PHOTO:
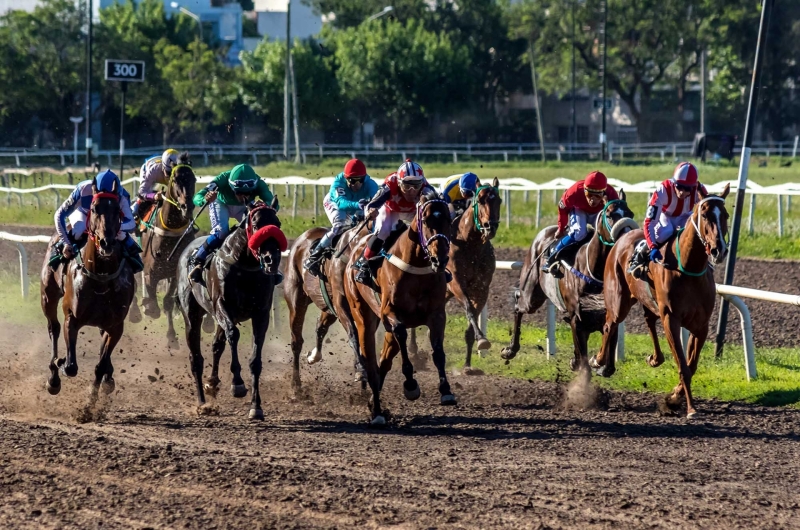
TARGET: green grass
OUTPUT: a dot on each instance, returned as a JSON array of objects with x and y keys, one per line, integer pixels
[{"x": 764, "y": 243}]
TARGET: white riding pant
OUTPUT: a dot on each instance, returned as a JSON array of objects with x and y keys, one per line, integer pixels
[
  {"x": 667, "y": 226},
  {"x": 220, "y": 215},
  {"x": 337, "y": 217},
  {"x": 77, "y": 226},
  {"x": 387, "y": 220},
  {"x": 577, "y": 225}
]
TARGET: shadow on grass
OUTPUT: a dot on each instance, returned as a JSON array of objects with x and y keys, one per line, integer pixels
[{"x": 777, "y": 398}]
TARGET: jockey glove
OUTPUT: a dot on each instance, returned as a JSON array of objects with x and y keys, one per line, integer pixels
[{"x": 655, "y": 255}]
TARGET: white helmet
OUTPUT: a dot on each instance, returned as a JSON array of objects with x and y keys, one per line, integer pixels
[
  {"x": 410, "y": 172},
  {"x": 169, "y": 160}
]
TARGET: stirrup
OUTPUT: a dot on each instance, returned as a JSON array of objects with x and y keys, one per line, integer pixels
[
  {"x": 313, "y": 265},
  {"x": 196, "y": 273}
]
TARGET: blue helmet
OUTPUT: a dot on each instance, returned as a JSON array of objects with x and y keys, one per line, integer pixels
[
  {"x": 468, "y": 182},
  {"x": 107, "y": 181}
]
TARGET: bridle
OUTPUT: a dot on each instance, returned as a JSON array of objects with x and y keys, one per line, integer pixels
[
  {"x": 171, "y": 200},
  {"x": 475, "y": 210},
  {"x": 96, "y": 197},
  {"x": 699, "y": 221},
  {"x": 424, "y": 243},
  {"x": 605, "y": 222}
]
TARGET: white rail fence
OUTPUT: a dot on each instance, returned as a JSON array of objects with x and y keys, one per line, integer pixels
[
  {"x": 295, "y": 187},
  {"x": 731, "y": 293}
]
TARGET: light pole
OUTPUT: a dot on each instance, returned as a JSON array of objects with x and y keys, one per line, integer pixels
[
  {"x": 89, "y": 85},
  {"x": 603, "y": 138},
  {"x": 176, "y": 5},
  {"x": 76, "y": 120},
  {"x": 385, "y": 11}
]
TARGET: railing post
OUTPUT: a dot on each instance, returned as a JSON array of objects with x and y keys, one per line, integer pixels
[
  {"x": 294, "y": 201},
  {"x": 551, "y": 330},
  {"x": 794, "y": 149},
  {"x": 508, "y": 208},
  {"x": 747, "y": 335},
  {"x": 255, "y": 159},
  {"x": 320, "y": 152},
  {"x": 619, "y": 353},
  {"x": 23, "y": 269},
  {"x": 780, "y": 215},
  {"x": 505, "y": 156},
  {"x": 316, "y": 202},
  {"x": 538, "y": 207},
  {"x": 455, "y": 157},
  {"x": 752, "y": 214},
  {"x": 674, "y": 151}
]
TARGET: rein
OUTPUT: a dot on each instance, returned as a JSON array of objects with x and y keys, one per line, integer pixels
[
  {"x": 476, "y": 204},
  {"x": 605, "y": 222},
  {"x": 172, "y": 201},
  {"x": 422, "y": 241}
]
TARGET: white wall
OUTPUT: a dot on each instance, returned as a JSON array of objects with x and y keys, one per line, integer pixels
[{"x": 272, "y": 19}]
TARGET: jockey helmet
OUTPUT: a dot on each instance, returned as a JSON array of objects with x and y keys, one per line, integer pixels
[
  {"x": 410, "y": 172},
  {"x": 468, "y": 182},
  {"x": 685, "y": 175},
  {"x": 355, "y": 168},
  {"x": 243, "y": 179},
  {"x": 169, "y": 160},
  {"x": 107, "y": 182},
  {"x": 595, "y": 182}
]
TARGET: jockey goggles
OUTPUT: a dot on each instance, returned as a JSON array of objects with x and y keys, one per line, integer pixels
[
  {"x": 356, "y": 180},
  {"x": 684, "y": 187},
  {"x": 590, "y": 191},
  {"x": 412, "y": 184},
  {"x": 244, "y": 186}
]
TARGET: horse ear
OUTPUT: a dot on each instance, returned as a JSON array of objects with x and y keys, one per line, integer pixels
[
  {"x": 495, "y": 182},
  {"x": 94, "y": 186},
  {"x": 622, "y": 195},
  {"x": 274, "y": 204},
  {"x": 726, "y": 191}
]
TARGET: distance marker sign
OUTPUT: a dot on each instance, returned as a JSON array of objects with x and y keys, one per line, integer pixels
[{"x": 126, "y": 71}]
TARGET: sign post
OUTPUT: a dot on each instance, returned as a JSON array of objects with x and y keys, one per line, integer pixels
[{"x": 125, "y": 72}]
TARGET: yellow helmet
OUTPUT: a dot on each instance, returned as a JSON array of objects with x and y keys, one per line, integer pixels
[{"x": 169, "y": 160}]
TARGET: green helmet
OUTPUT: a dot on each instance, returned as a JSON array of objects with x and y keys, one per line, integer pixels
[{"x": 243, "y": 179}]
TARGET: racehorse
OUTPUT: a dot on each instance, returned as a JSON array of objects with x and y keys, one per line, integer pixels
[
  {"x": 412, "y": 286},
  {"x": 578, "y": 291},
  {"x": 300, "y": 289},
  {"x": 680, "y": 291},
  {"x": 472, "y": 264},
  {"x": 167, "y": 221},
  {"x": 97, "y": 288},
  {"x": 239, "y": 287}
]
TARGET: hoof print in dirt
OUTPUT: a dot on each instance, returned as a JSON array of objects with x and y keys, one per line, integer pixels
[
  {"x": 468, "y": 370},
  {"x": 207, "y": 409}
]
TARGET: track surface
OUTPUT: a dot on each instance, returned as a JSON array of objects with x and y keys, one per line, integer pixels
[{"x": 511, "y": 454}]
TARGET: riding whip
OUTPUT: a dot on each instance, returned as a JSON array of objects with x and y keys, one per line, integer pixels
[
  {"x": 358, "y": 229},
  {"x": 188, "y": 228}
]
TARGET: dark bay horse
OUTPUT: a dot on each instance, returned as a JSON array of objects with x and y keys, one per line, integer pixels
[
  {"x": 472, "y": 264},
  {"x": 301, "y": 289},
  {"x": 412, "y": 292},
  {"x": 97, "y": 288},
  {"x": 579, "y": 293},
  {"x": 680, "y": 291},
  {"x": 240, "y": 285},
  {"x": 168, "y": 220}
]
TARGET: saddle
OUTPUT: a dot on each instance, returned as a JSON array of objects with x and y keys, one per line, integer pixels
[
  {"x": 145, "y": 220},
  {"x": 57, "y": 254}
]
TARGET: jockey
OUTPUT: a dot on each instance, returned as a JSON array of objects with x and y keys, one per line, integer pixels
[
  {"x": 154, "y": 171},
  {"x": 457, "y": 189},
  {"x": 584, "y": 198},
  {"x": 395, "y": 201},
  {"x": 77, "y": 207},
  {"x": 227, "y": 196},
  {"x": 669, "y": 208},
  {"x": 350, "y": 192}
]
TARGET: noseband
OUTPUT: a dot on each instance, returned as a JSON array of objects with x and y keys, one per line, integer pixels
[
  {"x": 475, "y": 205},
  {"x": 424, "y": 243},
  {"x": 605, "y": 222},
  {"x": 699, "y": 221}
]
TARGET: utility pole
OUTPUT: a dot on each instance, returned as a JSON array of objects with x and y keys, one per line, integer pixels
[
  {"x": 286, "y": 81},
  {"x": 536, "y": 101},
  {"x": 295, "y": 113},
  {"x": 603, "y": 137},
  {"x": 703, "y": 76},
  {"x": 89, "y": 86},
  {"x": 574, "y": 135},
  {"x": 744, "y": 164}
]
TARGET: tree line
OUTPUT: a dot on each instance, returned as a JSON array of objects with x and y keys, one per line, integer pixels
[{"x": 432, "y": 69}]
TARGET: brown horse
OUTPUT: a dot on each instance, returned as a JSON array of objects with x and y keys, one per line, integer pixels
[
  {"x": 97, "y": 289},
  {"x": 472, "y": 264},
  {"x": 412, "y": 288},
  {"x": 300, "y": 289},
  {"x": 168, "y": 221},
  {"x": 579, "y": 292},
  {"x": 240, "y": 285},
  {"x": 680, "y": 291}
]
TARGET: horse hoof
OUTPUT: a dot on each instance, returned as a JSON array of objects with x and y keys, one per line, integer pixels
[
  {"x": 378, "y": 421},
  {"x": 507, "y": 353},
  {"x": 211, "y": 390},
  {"x": 484, "y": 344},
  {"x": 314, "y": 356},
  {"x": 208, "y": 324},
  {"x": 53, "y": 389},
  {"x": 70, "y": 370},
  {"x": 605, "y": 371},
  {"x": 413, "y": 394},
  {"x": 448, "y": 400},
  {"x": 134, "y": 315},
  {"x": 256, "y": 414},
  {"x": 238, "y": 391},
  {"x": 592, "y": 362},
  {"x": 360, "y": 376},
  {"x": 655, "y": 363},
  {"x": 108, "y": 385},
  {"x": 691, "y": 414},
  {"x": 152, "y": 311}
]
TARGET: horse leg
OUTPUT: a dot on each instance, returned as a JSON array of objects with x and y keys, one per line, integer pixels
[
  {"x": 217, "y": 349},
  {"x": 604, "y": 364},
  {"x": 238, "y": 390},
  {"x": 696, "y": 342},
  {"x": 169, "y": 307},
  {"x": 579, "y": 360},
  {"x": 657, "y": 358},
  {"x": 192, "y": 319},
  {"x": 150, "y": 301},
  {"x": 297, "y": 316},
  {"x": 390, "y": 349},
  {"x": 50, "y": 297},
  {"x": 134, "y": 314},
  {"x": 71, "y": 328},
  {"x": 436, "y": 325},
  {"x": 672, "y": 330},
  {"x": 260, "y": 325},
  {"x": 510, "y": 351},
  {"x": 410, "y": 386},
  {"x": 358, "y": 365},
  {"x": 469, "y": 340},
  {"x": 324, "y": 322},
  {"x": 104, "y": 371},
  {"x": 366, "y": 338}
]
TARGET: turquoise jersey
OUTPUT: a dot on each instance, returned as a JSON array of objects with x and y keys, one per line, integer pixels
[{"x": 346, "y": 199}]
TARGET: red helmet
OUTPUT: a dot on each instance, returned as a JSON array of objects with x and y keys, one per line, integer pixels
[
  {"x": 685, "y": 174},
  {"x": 410, "y": 171},
  {"x": 354, "y": 168},
  {"x": 595, "y": 182}
]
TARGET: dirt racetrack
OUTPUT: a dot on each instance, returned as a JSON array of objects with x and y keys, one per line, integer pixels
[{"x": 511, "y": 454}]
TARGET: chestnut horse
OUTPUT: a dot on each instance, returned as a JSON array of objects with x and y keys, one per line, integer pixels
[
  {"x": 412, "y": 286},
  {"x": 168, "y": 221},
  {"x": 472, "y": 264},
  {"x": 579, "y": 291},
  {"x": 680, "y": 291},
  {"x": 97, "y": 288},
  {"x": 301, "y": 289},
  {"x": 240, "y": 285}
]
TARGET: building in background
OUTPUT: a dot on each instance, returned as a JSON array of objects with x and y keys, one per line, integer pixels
[{"x": 272, "y": 19}]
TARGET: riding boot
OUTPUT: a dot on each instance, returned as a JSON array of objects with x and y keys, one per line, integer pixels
[
  {"x": 56, "y": 256},
  {"x": 364, "y": 274},
  {"x": 132, "y": 253},
  {"x": 637, "y": 266},
  {"x": 313, "y": 262},
  {"x": 565, "y": 242}
]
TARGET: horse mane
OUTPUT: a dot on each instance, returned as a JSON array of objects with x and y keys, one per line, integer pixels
[{"x": 184, "y": 158}]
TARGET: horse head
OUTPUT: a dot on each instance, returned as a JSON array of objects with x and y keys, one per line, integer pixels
[
  {"x": 710, "y": 220},
  {"x": 486, "y": 210},
  {"x": 181, "y": 186},
  {"x": 265, "y": 239},
  {"x": 616, "y": 219},
  {"x": 433, "y": 229},
  {"x": 105, "y": 219}
]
